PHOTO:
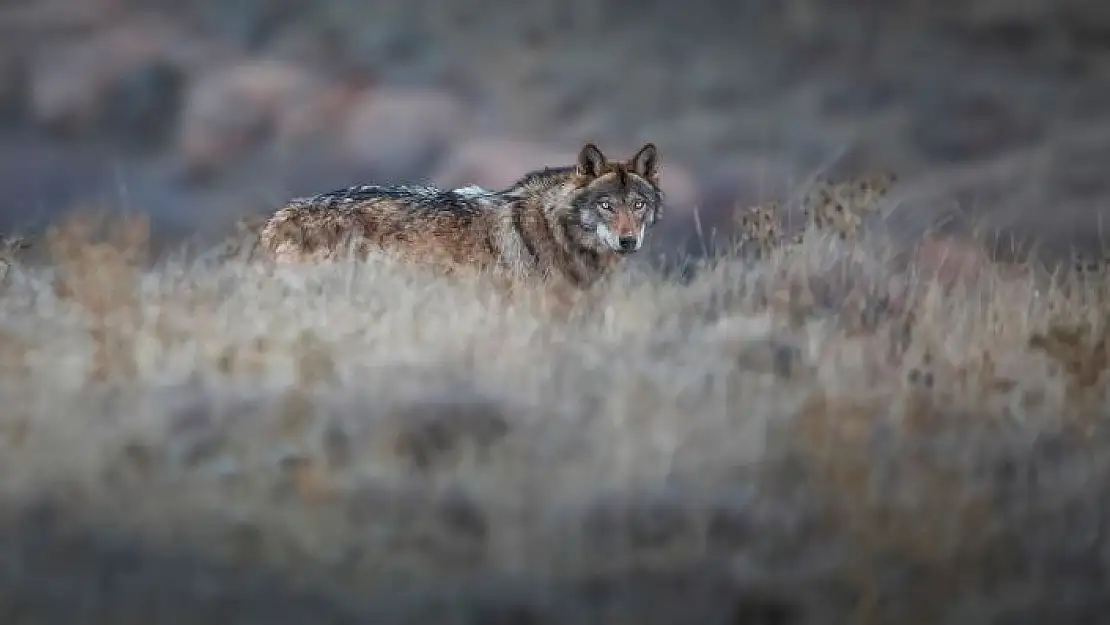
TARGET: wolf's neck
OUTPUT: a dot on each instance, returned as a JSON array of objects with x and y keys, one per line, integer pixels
[{"x": 551, "y": 197}]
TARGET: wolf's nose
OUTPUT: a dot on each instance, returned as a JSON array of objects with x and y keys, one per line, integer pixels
[{"x": 627, "y": 244}]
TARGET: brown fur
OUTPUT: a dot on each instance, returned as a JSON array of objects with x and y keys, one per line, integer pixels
[{"x": 551, "y": 223}]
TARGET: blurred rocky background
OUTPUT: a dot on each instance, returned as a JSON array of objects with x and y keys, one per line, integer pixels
[{"x": 201, "y": 113}]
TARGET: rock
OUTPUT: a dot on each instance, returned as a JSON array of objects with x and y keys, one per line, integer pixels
[
  {"x": 398, "y": 134},
  {"x": 230, "y": 110},
  {"x": 123, "y": 82}
]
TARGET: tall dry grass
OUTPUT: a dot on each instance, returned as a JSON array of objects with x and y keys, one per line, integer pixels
[{"x": 827, "y": 435}]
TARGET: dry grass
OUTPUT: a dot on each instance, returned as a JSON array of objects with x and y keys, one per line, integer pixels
[{"x": 819, "y": 436}]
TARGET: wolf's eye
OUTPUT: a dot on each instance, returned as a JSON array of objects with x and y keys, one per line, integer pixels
[
  {"x": 603, "y": 205},
  {"x": 638, "y": 204}
]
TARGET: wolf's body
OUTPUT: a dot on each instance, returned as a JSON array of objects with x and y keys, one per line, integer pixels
[{"x": 573, "y": 222}]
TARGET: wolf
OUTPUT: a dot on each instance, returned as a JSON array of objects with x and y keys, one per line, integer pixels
[{"x": 574, "y": 222}]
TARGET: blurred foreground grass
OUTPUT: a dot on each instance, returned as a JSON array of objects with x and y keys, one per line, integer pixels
[{"x": 825, "y": 436}]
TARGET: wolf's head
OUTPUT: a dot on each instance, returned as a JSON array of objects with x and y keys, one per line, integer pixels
[{"x": 615, "y": 202}]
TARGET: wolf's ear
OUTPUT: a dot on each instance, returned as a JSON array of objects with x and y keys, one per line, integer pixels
[
  {"x": 590, "y": 161},
  {"x": 646, "y": 162}
]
